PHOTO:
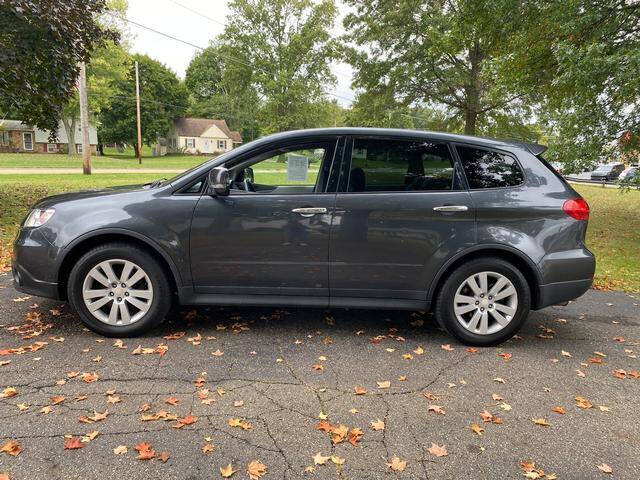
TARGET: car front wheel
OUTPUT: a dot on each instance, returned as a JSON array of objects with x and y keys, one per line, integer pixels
[
  {"x": 119, "y": 290},
  {"x": 484, "y": 302}
]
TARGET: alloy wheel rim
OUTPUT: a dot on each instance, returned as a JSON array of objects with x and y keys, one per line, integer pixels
[
  {"x": 485, "y": 303},
  {"x": 117, "y": 292}
]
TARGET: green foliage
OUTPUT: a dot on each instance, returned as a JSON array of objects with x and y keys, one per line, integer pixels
[
  {"x": 283, "y": 49},
  {"x": 162, "y": 99},
  {"x": 42, "y": 43}
]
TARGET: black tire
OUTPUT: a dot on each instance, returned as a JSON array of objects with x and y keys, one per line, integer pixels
[
  {"x": 444, "y": 307},
  {"x": 162, "y": 295}
]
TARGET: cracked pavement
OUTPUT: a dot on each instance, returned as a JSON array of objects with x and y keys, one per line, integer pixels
[{"x": 267, "y": 363}]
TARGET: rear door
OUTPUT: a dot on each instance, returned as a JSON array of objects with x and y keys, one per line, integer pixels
[{"x": 401, "y": 211}]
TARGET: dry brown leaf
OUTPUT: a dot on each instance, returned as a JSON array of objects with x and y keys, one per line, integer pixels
[
  {"x": 540, "y": 421},
  {"x": 477, "y": 429},
  {"x": 560, "y": 410},
  {"x": 120, "y": 450},
  {"x": 436, "y": 409},
  {"x": 320, "y": 459},
  {"x": 360, "y": 390},
  {"x": 396, "y": 464},
  {"x": 437, "y": 450},
  {"x": 12, "y": 448},
  {"x": 256, "y": 469},
  {"x": 604, "y": 468},
  {"x": 377, "y": 425}
]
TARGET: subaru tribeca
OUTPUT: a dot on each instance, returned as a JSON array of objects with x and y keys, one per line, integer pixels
[{"x": 480, "y": 231}]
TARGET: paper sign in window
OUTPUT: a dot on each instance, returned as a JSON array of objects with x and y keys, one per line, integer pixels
[{"x": 297, "y": 167}]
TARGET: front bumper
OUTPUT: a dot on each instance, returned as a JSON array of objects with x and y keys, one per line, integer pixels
[{"x": 34, "y": 264}]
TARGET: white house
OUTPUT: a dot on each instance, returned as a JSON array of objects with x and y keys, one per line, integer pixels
[
  {"x": 15, "y": 136},
  {"x": 201, "y": 135}
]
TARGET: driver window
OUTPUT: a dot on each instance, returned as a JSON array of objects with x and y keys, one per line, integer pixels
[{"x": 300, "y": 169}]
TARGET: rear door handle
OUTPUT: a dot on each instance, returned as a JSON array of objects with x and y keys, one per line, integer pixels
[
  {"x": 309, "y": 211},
  {"x": 451, "y": 208}
]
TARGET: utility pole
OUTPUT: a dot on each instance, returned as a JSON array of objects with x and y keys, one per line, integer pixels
[
  {"x": 138, "y": 115},
  {"x": 84, "y": 120}
]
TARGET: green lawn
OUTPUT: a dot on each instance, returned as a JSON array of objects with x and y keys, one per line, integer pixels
[{"x": 613, "y": 233}]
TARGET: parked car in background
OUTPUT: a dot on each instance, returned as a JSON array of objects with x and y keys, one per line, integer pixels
[
  {"x": 480, "y": 231},
  {"x": 558, "y": 167},
  {"x": 607, "y": 172},
  {"x": 629, "y": 174}
]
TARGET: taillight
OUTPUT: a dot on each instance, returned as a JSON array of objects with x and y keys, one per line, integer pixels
[{"x": 577, "y": 208}]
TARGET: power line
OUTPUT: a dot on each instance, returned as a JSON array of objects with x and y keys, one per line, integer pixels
[{"x": 227, "y": 57}]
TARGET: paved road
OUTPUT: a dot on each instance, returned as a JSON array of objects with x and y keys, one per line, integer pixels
[{"x": 263, "y": 373}]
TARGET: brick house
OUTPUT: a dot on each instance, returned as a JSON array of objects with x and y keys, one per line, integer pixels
[{"x": 17, "y": 137}]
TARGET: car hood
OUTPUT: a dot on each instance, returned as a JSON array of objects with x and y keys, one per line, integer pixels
[{"x": 85, "y": 194}]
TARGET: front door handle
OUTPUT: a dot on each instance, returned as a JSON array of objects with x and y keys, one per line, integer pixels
[
  {"x": 309, "y": 211},
  {"x": 451, "y": 208}
]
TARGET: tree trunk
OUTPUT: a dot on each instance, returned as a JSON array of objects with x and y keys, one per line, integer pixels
[
  {"x": 473, "y": 90},
  {"x": 70, "y": 128}
]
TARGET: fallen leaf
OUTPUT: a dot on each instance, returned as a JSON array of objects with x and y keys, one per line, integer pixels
[
  {"x": 560, "y": 410},
  {"x": 71, "y": 443},
  {"x": 46, "y": 410},
  {"x": 337, "y": 460},
  {"x": 540, "y": 421},
  {"x": 120, "y": 450},
  {"x": 163, "y": 457},
  {"x": 12, "y": 448},
  {"x": 239, "y": 422},
  {"x": 145, "y": 451},
  {"x": 582, "y": 402},
  {"x": 89, "y": 436},
  {"x": 207, "y": 448},
  {"x": 396, "y": 464},
  {"x": 172, "y": 401},
  {"x": 419, "y": 350},
  {"x": 604, "y": 468},
  {"x": 477, "y": 429},
  {"x": 360, "y": 390},
  {"x": 218, "y": 353},
  {"x": 320, "y": 459},
  {"x": 437, "y": 450},
  {"x": 256, "y": 469},
  {"x": 377, "y": 425},
  {"x": 384, "y": 384},
  {"x": 8, "y": 392},
  {"x": 566, "y": 354},
  {"x": 447, "y": 347},
  {"x": 436, "y": 409}
]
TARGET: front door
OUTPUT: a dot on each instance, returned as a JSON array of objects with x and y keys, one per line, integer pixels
[
  {"x": 270, "y": 236},
  {"x": 206, "y": 146},
  {"x": 401, "y": 211}
]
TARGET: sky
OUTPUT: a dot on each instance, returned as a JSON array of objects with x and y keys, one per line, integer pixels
[{"x": 171, "y": 17}]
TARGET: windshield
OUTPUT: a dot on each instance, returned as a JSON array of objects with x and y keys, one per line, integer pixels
[
  {"x": 603, "y": 168},
  {"x": 182, "y": 174}
]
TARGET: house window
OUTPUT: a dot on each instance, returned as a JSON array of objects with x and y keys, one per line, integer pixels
[
  {"x": 4, "y": 136},
  {"x": 78, "y": 148},
  {"x": 190, "y": 142},
  {"x": 27, "y": 140},
  {"x": 174, "y": 142},
  {"x": 222, "y": 144},
  {"x": 52, "y": 147}
]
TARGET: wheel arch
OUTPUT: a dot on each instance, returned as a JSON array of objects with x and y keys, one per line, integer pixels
[
  {"x": 86, "y": 242},
  {"x": 517, "y": 258}
]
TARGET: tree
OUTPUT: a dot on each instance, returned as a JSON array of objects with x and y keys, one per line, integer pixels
[
  {"x": 284, "y": 49},
  {"x": 42, "y": 43},
  {"x": 584, "y": 58},
  {"x": 437, "y": 54},
  {"x": 108, "y": 65},
  {"x": 162, "y": 99},
  {"x": 217, "y": 92}
]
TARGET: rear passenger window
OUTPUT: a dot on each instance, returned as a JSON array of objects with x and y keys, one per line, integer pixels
[
  {"x": 489, "y": 169},
  {"x": 379, "y": 165}
]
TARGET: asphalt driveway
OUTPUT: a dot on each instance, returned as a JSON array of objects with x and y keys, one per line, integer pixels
[{"x": 213, "y": 387}]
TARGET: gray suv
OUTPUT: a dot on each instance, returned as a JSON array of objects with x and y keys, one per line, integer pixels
[{"x": 478, "y": 230}]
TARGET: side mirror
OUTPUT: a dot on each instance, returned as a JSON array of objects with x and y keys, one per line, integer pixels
[{"x": 218, "y": 182}]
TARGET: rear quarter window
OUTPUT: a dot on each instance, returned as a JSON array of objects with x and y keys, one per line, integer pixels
[{"x": 489, "y": 169}]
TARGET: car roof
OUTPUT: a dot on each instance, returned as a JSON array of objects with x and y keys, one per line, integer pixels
[{"x": 534, "y": 148}]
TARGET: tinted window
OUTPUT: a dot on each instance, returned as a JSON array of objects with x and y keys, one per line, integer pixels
[
  {"x": 379, "y": 165},
  {"x": 488, "y": 169}
]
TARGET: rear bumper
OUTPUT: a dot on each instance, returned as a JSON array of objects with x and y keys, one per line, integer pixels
[
  {"x": 560, "y": 292},
  {"x": 566, "y": 275}
]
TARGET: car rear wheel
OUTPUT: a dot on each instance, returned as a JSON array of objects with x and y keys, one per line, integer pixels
[
  {"x": 119, "y": 290},
  {"x": 484, "y": 302}
]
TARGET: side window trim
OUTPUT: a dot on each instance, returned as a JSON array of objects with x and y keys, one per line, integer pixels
[
  {"x": 489, "y": 149},
  {"x": 345, "y": 169}
]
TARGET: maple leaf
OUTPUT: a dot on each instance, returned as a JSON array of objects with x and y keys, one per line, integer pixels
[
  {"x": 506, "y": 356},
  {"x": 144, "y": 451},
  {"x": 89, "y": 436},
  {"x": 8, "y": 392},
  {"x": 90, "y": 377},
  {"x": 447, "y": 347},
  {"x": 337, "y": 460},
  {"x": 227, "y": 471},
  {"x": 566, "y": 354},
  {"x": 396, "y": 464},
  {"x": 437, "y": 450},
  {"x": 240, "y": 403},
  {"x": 172, "y": 401},
  {"x": 256, "y": 469},
  {"x": 436, "y": 409},
  {"x": 477, "y": 429},
  {"x": 499, "y": 380},
  {"x": 354, "y": 436},
  {"x": 384, "y": 384},
  {"x": 323, "y": 426},
  {"x": 71, "y": 443},
  {"x": 582, "y": 402},
  {"x": 22, "y": 406},
  {"x": 620, "y": 373},
  {"x": 188, "y": 420},
  {"x": 46, "y": 410},
  {"x": 120, "y": 450},
  {"x": 472, "y": 350},
  {"x": 377, "y": 425},
  {"x": 360, "y": 390},
  {"x": 540, "y": 421},
  {"x": 338, "y": 433},
  {"x": 560, "y": 410},
  {"x": 320, "y": 459},
  {"x": 497, "y": 397},
  {"x": 163, "y": 457},
  {"x": 58, "y": 399},
  {"x": 113, "y": 399},
  {"x": 238, "y": 422},
  {"x": 217, "y": 353},
  {"x": 419, "y": 350},
  {"x": 207, "y": 448},
  {"x": 486, "y": 416},
  {"x": 604, "y": 468},
  {"x": 12, "y": 448},
  {"x": 318, "y": 367}
]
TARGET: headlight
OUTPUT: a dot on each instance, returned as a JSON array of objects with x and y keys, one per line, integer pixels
[{"x": 38, "y": 217}]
